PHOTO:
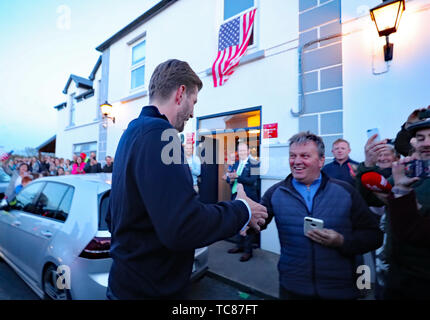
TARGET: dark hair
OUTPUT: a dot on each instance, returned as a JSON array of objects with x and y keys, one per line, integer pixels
[
  {"x": 169, "y": 76},
  {"x": 304, "y": 137}
]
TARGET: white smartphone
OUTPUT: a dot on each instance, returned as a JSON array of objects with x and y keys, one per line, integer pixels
[
  {"x": 312, "y": 223},
  {"x": 371, "y": 132}
]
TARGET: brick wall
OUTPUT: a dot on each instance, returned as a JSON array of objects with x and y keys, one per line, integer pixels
[{"x": 322, "y": 69}]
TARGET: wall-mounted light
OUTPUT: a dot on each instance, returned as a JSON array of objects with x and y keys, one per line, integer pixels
[
  {"x": 106, "y": 109},
  {"x": 387, "y": 18}
]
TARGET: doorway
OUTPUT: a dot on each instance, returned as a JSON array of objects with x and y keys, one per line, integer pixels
[{"x": 222, "y": 133}]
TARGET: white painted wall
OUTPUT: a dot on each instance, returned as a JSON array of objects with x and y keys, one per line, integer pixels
[
  {"x": 384, "y": 100},
  {"x": 86, "y": 127}
]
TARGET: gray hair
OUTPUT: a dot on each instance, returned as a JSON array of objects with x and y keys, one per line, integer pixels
[{"x": 304, "y": 137}]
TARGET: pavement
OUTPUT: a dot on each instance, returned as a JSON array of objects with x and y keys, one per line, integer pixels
[{"x": 259, "y": 275}]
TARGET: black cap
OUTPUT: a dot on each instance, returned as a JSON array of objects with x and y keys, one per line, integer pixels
[{"x": 416, "y": 126}]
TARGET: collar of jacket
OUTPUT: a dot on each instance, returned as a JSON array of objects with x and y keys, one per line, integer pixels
[
  {"x": 336, "y": 162},
  {"x": 287, "y": 183},
  {"x": 152, "y": 111}
]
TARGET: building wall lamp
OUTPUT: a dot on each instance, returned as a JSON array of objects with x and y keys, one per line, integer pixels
[
  {"x": 387, "y": 18},
  {"x": 106, "y": 109}
]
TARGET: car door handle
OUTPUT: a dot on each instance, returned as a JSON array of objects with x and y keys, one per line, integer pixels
[
  {"x": 16, "y": 223},
  {"x": 47, "y": 234}
]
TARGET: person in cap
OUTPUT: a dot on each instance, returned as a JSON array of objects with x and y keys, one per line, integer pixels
[{"x": 408, "y": 228}]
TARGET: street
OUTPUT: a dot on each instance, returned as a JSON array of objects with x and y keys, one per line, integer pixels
[{"x": 12, "y": 287}]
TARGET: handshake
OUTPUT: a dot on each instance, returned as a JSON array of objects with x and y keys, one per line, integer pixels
[{"x": 258, "y": 211}]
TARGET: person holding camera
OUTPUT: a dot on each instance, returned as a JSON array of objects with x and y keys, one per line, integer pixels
[
  {"x": 408, "y": 211},
  {"x": 409, "y": 208}
]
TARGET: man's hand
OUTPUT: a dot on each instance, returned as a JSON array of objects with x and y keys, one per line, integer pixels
[
  {"x": 258, "y": 212},
  {"x": 326, "y": 237},
  {"x": 372, "y": 150},
  {"x": 398, "y": 171},
  {"x": 244, "y": 231}
]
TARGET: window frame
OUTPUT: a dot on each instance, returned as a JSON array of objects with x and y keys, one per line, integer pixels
[
  {"x": 87, "y": 152},
  {"x": 137, "y": 65},
  {"x": 254, "y": 45},
  {"x": 34, "y": 201},
  {"x": 59, "y": 203},
  {"x": 72, "y": 118}
]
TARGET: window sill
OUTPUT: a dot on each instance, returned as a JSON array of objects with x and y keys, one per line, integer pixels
[
  {"x": 72, "y": 127},
  {"x": 257, "y": 55},
  {"x": 134, "y": 96}
]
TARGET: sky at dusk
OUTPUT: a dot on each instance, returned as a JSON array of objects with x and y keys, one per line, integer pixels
[{"x": 42, "y": 43}]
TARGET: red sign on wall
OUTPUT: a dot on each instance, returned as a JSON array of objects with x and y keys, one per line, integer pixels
[
  {"x": 190, "y": 138},
  {"x": 270, "y": 130}
]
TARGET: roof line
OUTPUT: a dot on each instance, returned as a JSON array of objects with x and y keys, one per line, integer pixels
[
  {"x": 46, "y": 142},
  {"x": 96, "y": 67},
  {"x": 160, "y": 6}
]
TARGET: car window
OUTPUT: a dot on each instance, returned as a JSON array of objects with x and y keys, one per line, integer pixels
[
  {"x": 104, "y": 205},
  {"x": 66, "y": 203},
  {"x": 4, "y": 177},
  {"x": 25, "y": 200},
  {"x": 50, "y": 198}
]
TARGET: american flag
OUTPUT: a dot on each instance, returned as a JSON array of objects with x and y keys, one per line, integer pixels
[
  {"x": 4, "y": 156},
  {"x": 233, "y": 40}
]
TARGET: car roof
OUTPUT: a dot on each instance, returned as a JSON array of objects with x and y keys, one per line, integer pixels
[{"x": 104, "y": 180}]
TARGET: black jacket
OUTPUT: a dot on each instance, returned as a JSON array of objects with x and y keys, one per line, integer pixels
[
  {"x": 155, "y": 216},
  {"x": 249, "y": 180},
  {"x": 92, "y": 168},
  {"x": 107, "y": 168},
  {"x": 344, "y": 172}
]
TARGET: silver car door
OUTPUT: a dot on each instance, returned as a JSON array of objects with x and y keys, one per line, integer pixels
[
  {"x": 13, "y": 233},
  {"x": 40, "y": 227}
]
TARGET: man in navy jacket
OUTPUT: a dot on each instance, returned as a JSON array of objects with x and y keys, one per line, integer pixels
[
  {"x": 155, "y": 216},
  {"x": 342, "y": 167}
]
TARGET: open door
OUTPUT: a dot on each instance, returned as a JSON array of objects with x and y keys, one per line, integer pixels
[{"x": 208, "y": 184}]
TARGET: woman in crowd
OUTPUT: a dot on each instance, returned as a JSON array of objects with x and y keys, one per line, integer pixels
[{"x": 78, "y": 167}]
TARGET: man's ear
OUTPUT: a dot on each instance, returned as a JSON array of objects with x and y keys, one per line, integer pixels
[
  {"x": 322, "y": 161},
  {"x": 180, "y": 95}
]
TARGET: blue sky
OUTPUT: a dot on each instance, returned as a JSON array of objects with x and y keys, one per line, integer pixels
[{"x": 41, "y": 43}]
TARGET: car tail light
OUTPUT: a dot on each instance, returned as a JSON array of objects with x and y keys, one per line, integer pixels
[{"x": 98, "y": 248}]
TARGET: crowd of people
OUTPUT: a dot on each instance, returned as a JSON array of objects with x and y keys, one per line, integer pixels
[
  {"x": 23, "y": 170},
  {"x": 388, "y": 217}
]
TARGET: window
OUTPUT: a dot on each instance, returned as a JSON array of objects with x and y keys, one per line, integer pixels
[
  {"x": 66, "y": 203},
  {"x": 86, "y": 148},
  {"x": 25, "y": 200},
  {"x": 72, "y": 110},
  {"x": 4, "y": 177},
  {"x": 54, "y": 201},
  {"x": 233, "y": 8},
  {"x": 103, "y": 209},
  {"x": 138, "y": 57}
]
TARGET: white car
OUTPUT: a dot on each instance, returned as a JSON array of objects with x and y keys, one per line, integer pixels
[{"x": 54, "y": 235}]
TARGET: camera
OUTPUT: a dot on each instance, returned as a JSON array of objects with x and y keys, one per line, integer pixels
[
  {"x": 424, "y": 114},
  {"x": 418, "y": 168}
]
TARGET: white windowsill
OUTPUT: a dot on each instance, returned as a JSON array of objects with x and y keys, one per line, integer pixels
[
  {"x": 69, "y": 127},
  {"x": 134, "y": 96}
]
